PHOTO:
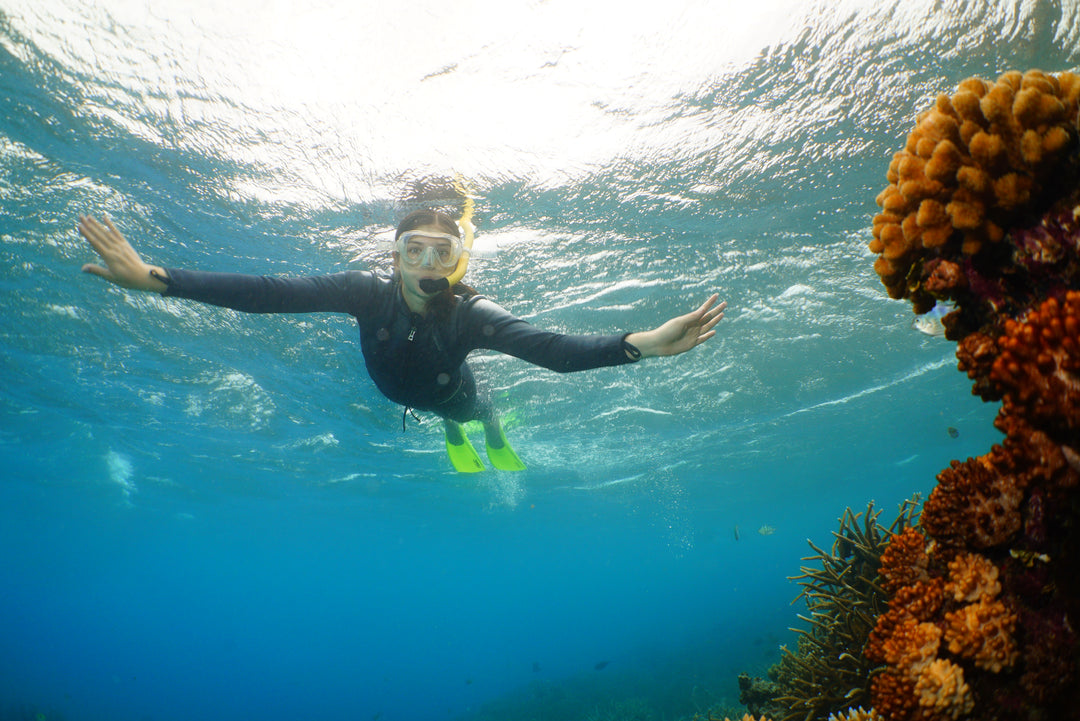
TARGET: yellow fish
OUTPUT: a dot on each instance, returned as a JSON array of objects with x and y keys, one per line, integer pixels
[{"x": 766, "y": 530}]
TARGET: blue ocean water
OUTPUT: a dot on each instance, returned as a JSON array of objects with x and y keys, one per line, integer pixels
[{"x": 210, "y": 515}]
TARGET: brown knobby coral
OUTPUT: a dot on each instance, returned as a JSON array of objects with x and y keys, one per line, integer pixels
[{"x": 976, "y": 164}]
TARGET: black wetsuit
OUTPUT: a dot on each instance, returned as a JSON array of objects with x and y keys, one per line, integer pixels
[{"x": 413, "y": 360}]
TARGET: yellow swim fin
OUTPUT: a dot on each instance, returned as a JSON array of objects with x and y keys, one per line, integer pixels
[
  {"x": 461, "y": 451},
  {"x": 503, "y": 457}
]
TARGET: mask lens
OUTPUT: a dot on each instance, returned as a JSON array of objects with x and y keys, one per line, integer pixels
[{"x": 436, "y": 250}]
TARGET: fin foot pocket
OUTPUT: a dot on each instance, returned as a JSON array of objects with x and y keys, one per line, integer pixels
[
  {"x": 461, "y": 451},
  {"x": 504, "y": 458}
]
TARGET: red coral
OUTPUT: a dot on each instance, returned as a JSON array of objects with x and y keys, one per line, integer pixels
[
  {"x": 976, "y": 354},
  {"x": 921, "y": 600},
  {"x": 1038, "y": 368},
  {"x": 1046, "y": 659}
]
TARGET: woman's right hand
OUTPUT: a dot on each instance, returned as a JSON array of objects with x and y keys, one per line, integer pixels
[{"x": 123, "y": 266}]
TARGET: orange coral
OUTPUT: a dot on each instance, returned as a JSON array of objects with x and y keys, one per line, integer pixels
[
  {"x": 900, "y": 636},
  {"x": 942, "y": 691},
  {"x": 972, "y": 164},
  {"x": 912, "y": 646},
  {"x": 856, "y": 714},
  {"x": 904, "y": 561},
  {"x": 983, "y": 632},
  {"x": 972, "y": 577},
  {"x": 983, "y": 209},
  {"x": 921, "y": 600}
]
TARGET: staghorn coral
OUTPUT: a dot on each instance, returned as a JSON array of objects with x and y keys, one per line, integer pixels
[
  {"x": 976, "y": 164},
  {"x": 830, "y": 672}
]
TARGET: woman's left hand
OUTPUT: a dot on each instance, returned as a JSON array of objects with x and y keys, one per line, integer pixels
[{"x": 680, "y": 334}]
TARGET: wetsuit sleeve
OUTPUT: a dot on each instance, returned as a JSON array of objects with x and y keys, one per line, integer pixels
[
  {"x": 493, "y": 327},
  {"x": 337, "y": 293}
]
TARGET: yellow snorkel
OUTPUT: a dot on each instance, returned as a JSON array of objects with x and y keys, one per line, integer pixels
[{"x": 429, "y": 285}]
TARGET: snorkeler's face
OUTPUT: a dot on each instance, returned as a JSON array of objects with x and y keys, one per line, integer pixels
[{"x": 425, "y": 253}]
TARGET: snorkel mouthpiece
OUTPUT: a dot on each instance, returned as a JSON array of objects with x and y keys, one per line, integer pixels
[
  {"x": 438, "y": 285},
  {"x": 434, "y": 285}
]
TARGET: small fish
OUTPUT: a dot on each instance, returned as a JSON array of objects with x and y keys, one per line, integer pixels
[
  {"x": 766, "y": 530},
  {"x": 953, "y": 433},
  {"x": 601, "y": 665},
  {"x": 930, "y": 322},
  {"x": 536, "y": 667},
  {"x": 736, "y": 533},
  {"x": 1028, "y": 558}
]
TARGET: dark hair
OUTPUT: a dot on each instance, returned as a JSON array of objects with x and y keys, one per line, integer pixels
[
  {"x": 441, "y": 304},
  {"x": 427, "y": 216}
]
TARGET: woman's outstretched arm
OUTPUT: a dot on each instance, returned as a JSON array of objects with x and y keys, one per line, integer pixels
[
  {"x": 123, "y": 266},
  {"x": 680, "y": 334}
]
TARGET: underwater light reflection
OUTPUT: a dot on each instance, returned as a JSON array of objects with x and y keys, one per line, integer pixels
[{"x": 334, "y": 101}]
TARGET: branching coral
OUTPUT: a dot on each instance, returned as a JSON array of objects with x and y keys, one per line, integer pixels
[
  {"x": 977, "y": 163},
  {"x": 829, "y": 672},
  {"x": 856, "y": 714}
]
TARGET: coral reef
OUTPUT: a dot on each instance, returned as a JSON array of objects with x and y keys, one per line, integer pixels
[
  {"x": 829, "y": 673},
  {"x": 856, "y": 714},
  {"x": 984, "y": 160},
  {"x": 970, "y": 613},
  {"x": 983, "y": 210},
  {"x": 978, "y": 619}
]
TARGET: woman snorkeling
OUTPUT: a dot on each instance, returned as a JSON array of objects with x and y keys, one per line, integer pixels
[{"x": 415, "y": 331}]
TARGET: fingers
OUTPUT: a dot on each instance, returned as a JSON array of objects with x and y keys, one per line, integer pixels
[
  {"x": 707, "y": 304},
  {"x": 99, "y": 272},
  {"x": 96, "y": 234},
  {"x": 707, "y": 315}
]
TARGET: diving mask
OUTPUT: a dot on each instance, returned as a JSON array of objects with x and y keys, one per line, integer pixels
[{"x": 419, "y": 249}]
